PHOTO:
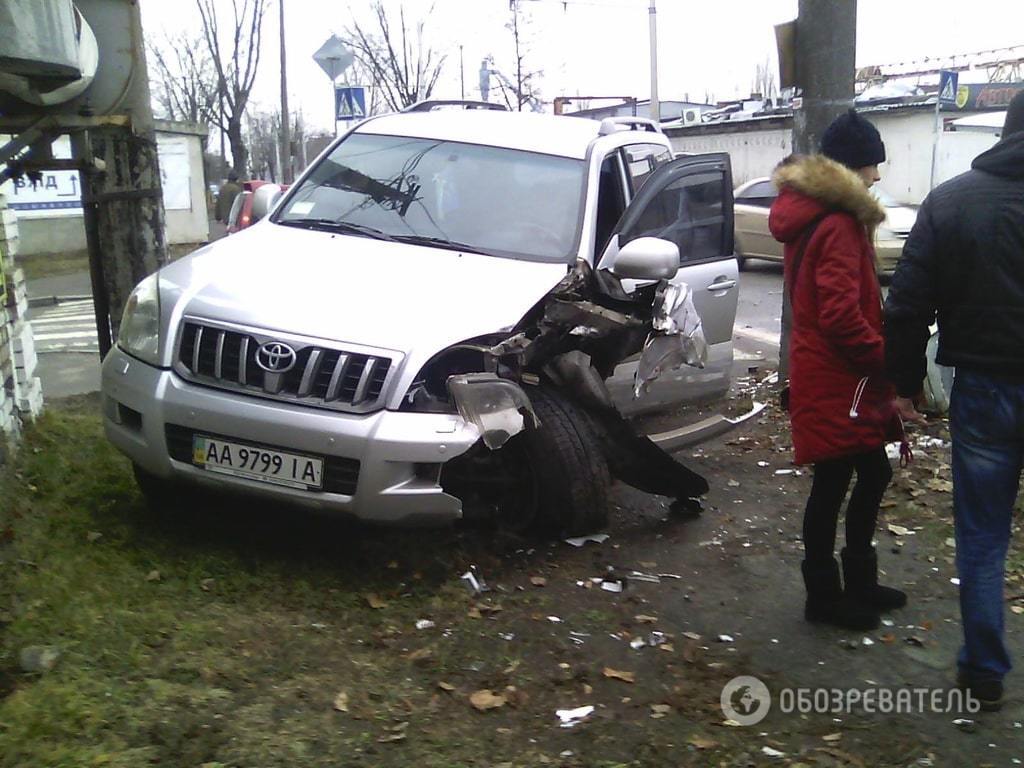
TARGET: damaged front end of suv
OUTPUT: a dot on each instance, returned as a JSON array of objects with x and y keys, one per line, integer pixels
[{"x": 552, "y": 439}]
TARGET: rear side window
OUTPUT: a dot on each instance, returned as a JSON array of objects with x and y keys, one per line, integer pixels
[
  {"x": 691, "y": 213},
  {"x": 642, "y": 160},
  {"x": 762, "y": 195}
]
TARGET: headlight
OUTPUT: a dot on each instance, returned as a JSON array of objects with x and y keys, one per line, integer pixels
[{"x": 139, "y": 334}]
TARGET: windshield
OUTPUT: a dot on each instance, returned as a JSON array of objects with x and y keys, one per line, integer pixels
[{"x": 496, "y": 201}]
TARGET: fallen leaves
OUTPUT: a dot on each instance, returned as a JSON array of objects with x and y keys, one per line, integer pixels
[
  {"x": 446, "y": 687},
  {"x": 341, "y": 702},
  {"x": 538, "y": 581},
  {"x": 618, "y": 674},
  {"x": 645, "y": 619},
  {"x": 153, "y": 576},
  {"x": 375, "y": 601},
  {"x": 486, "y": 699},
  {"x": 702, "y": 742}
]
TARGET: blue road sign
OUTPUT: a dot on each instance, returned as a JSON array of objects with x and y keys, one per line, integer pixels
[
  {"x": 947, "y": 86},
  {"x": 349, "y": 103}
]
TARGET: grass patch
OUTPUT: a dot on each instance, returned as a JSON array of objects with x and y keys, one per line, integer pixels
[{"x": 222, "y": 633}]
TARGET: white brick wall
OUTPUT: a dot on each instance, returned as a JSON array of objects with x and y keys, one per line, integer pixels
[{"x": 21, "y": 392}]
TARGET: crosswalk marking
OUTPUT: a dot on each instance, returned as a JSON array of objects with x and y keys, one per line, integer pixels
[{"x": 65, "y": 327}]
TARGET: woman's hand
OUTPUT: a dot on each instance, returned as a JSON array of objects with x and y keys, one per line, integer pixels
[{"x": 907, "y": 410}]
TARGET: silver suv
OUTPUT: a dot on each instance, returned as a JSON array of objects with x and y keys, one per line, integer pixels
[{"x": 446, "y": 315}]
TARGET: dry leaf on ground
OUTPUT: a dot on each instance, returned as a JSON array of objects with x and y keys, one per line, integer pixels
[
  {"x": 485, "y": 700},
  {"x": 341, "y": 702},
  {"x": 376, "y": 602},
  {"x": 618, "y": 674}
]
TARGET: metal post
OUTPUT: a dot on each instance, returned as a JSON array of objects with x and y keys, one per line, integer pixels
[
  {"x": 936, "y": 132},
  {"x": 655, "y": 103},
  {"x": 826, "y": 44},
  {"x": 286, "y": 141},
  {"x": 462, "y": 75}
]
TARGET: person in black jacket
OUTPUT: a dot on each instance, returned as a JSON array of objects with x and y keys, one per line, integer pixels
[{"x": 964, "y": 265}]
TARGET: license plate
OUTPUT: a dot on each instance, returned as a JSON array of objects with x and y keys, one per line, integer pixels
[{"x": 256, "y": 463}]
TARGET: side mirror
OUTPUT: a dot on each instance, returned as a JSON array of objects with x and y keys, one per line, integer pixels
[
  {"x": 263, "y": 200},
  {"x": 647, "y": 258}
]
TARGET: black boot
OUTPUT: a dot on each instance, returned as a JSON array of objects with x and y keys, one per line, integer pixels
[
  {"x": 860, "y": 573},
  {"x": 826, "y": 602}
]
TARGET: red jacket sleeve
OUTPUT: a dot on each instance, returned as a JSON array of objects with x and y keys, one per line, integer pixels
[{"x": 837, "y": 279}]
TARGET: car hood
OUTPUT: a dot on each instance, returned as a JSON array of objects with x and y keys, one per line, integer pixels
[{"x": 410, "y": 299}]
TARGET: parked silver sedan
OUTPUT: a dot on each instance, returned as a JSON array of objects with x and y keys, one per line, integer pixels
[{"x": 754, "y": 241}]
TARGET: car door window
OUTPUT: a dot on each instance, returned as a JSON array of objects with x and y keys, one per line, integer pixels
[
  {"x": 642, "y": 160},
  {"x": 760, "y": 195},
  {"x": 688, "y": 202},
  {"x": 611, "y": 202}
]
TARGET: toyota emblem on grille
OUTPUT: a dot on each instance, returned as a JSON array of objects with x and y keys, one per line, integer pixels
[{"x": 275, "y": 357}]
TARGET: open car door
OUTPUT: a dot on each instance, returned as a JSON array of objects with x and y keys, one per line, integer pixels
[{"x": 689, "y": 202}]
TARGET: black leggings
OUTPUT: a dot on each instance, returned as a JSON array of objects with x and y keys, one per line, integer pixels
[{"x": 831, "y": 482}]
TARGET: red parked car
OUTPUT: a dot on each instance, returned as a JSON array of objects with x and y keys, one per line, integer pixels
[{"x": 250, "y": 207}]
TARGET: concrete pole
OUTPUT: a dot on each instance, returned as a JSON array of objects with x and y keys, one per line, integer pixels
[
  {"x": 655, "y": 102},
  {"x": 286, "y": 139},
  {"x": 123, "y": 207},
  {"x": 826, "y": 46}
]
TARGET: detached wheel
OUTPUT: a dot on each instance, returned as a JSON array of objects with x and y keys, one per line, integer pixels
[
  {"x": 567, "y": 465},
  {"x": 551, "y": 481}
]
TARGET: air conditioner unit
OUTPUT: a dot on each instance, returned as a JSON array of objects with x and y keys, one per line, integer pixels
[{"x": 691, "y": 116}]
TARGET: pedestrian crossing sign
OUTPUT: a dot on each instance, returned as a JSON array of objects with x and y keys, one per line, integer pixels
[
  {"x": 947, "y": 87},
  {"x": 349, "y": 103}
]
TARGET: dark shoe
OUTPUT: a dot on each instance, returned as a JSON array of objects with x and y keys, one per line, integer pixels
[
  {"x": 826, "y": 602},
  {"x": 989, "y": 693},
  {"x": 860, "y": 573}
]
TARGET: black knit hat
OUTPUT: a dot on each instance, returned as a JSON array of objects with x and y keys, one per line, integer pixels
[
  {"x": 853, "y": 141},
  {"x": 1014, "y": 116}
]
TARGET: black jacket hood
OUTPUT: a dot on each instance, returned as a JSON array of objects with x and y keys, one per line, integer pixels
[{"x": 1004, "y": 159}]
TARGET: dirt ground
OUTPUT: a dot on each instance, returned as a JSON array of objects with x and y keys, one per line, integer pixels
[{"x": 228, "y": 635}]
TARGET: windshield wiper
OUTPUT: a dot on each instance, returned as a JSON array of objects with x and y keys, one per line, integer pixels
[
  {"x": 442, "y": 242},
  {"x": 344, "y": 227}
]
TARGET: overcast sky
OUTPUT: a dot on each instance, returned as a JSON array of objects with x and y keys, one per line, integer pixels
[{"x": 595, "y": 47}]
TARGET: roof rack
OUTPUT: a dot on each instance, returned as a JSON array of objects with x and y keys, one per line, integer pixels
[
  {"x": 613, "y": 124},
  {"x": 432, "y": 104}
]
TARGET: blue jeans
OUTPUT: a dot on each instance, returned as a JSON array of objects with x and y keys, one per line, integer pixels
[{"x": 987, "y": 424}]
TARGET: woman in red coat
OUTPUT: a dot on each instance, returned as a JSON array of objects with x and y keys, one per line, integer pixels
[{"x": 840, "y": 403}]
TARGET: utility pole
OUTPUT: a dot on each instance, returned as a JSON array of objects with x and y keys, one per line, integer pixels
[
  {"x": 122, "y": 204},
  {"x": 286, "y": 140},
  {"x": 655, "y": 103},
  {"x": 826, "y": 47}
]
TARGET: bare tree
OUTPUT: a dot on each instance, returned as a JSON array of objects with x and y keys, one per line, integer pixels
[
  {"x": 262, "y": 135},
  {"x": 764, "y": 81},
  {"x": 404, "y": 68},
  {"x": 525, "y": 83},
  {"x": 182, "y": 79},
  {"x": 235, "y": 54}
]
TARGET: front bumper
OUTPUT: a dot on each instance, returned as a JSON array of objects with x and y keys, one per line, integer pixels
[{"x": 399, "y": 454}]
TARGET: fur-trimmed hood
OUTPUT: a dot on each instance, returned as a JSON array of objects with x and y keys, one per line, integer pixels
[{"x": 811, "y": 185}]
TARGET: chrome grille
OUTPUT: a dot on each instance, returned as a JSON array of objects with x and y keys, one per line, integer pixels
[{"x": 225, "y": 356}]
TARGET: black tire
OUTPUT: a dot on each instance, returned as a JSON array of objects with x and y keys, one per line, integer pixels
[
  {"x": 568, "y": 468},
  {"x": 741, "y": 261}
]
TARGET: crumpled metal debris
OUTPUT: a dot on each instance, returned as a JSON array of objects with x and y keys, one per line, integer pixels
[
  {"x": 474, "y": 580},
  {"x": 572, "y": 717},
  {"x": 579, "y": 541},
  {"x": 676, "y": 338}
]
